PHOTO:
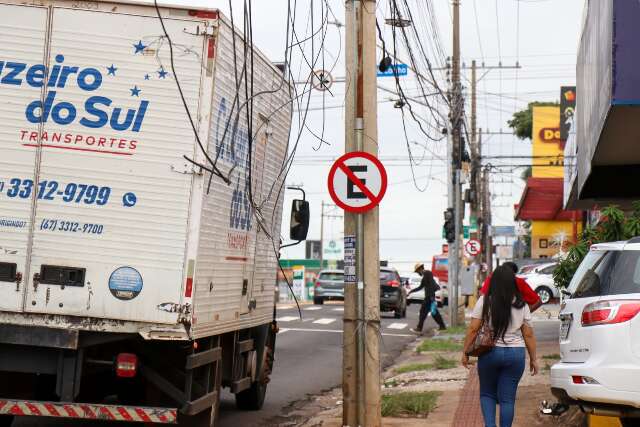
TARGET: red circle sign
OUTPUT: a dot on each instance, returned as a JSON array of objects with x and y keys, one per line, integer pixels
[
  {"x": 357, "y": 182},
  {"x": 473, "y": 247}
]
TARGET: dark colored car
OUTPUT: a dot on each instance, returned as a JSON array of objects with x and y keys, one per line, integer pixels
[
  {"x": 329, "y": 286},
  {"x": 393, "y": 295}
]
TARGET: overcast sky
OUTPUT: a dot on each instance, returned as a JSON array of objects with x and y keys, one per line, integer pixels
[{"x": 541, "y": 35}]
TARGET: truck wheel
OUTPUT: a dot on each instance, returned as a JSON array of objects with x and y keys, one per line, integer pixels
[
  {"x": 6, "y": 420},
  {"x": 318, "y": 301},
  {"x": 252, "y": 399}
]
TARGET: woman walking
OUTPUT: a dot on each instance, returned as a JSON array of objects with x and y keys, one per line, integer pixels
[{"x": 504, "y": 318}]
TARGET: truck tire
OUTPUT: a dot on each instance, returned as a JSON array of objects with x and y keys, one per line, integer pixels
[
  {"x": 6, "y": 420},
  {"x": 252, "y": 399},
  {"x": 318, "y": 301}
]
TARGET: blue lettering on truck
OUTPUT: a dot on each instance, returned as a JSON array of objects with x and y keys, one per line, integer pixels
[
  {"x": 96, "y": 112},
  {"x": 232, "y": 146}
]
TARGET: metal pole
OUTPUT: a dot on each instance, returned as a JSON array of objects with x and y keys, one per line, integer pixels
[
  {"x": 322, "y": 236},
  {"x": 361, "y": 281},
  {"x": 457, "y": 106}
]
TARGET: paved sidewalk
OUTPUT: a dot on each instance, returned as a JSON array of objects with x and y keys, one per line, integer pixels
[{"x": 469, "y": 413}]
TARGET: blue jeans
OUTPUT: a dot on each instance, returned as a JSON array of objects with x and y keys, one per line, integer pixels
[{"x": 500, "y": 371}]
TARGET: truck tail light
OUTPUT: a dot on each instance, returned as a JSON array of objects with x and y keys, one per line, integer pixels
[
  {"x": 393, "y": 283},
  {"x": 126, "y": 365},
  {"x": 610, "y": 312}
]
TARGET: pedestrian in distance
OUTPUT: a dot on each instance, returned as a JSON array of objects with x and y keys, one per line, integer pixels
[
  {"x": 501, "y": 321},
  {"x": 429, "y": 304},
  {"x": 528, "y": 295}
]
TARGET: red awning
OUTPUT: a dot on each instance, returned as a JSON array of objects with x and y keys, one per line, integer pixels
[{"x": 542, "y": 200}]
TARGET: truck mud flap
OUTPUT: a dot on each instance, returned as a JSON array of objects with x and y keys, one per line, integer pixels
[{"x": 88, "y": 411}]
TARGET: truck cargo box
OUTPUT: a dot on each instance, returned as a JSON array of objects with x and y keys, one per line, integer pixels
[{"x": 104, "y": 224}]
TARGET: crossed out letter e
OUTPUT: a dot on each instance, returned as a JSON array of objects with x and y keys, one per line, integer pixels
[{"x": 351, "y": 190}]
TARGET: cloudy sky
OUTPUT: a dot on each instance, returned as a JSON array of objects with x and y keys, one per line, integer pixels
[{"x": 541, "y": 35}]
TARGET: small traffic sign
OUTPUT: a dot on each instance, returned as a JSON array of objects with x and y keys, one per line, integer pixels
[
  {"x": 357, "y": 182},
  {"x": 395, "y": 70},
  {"x": 322, "y": 80},
  {"x": 472, "y": 247}
]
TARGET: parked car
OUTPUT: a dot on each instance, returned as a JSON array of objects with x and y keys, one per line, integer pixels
[
  {"x": 414, "y": 282},
  {"x": 442, "y": 296},
  {"x": 540, "y": 278},
  {"x": 329, "y": 285},
  {"x": 393, "y": 296},
  {"x": 599, "y": 368},
  {"x": 525, "y": 269}
]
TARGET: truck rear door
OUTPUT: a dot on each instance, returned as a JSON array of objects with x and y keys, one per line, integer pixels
[
  {"x": 111, "y": 219},
  {"x": 22, "y": 42}
]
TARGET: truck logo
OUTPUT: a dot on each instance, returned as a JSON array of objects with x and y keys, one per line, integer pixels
[
  {"x": 232, "y": 146},
  {"x": 98, "y": 110}
]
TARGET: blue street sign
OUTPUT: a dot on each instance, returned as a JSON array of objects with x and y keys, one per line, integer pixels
[{"x": 395, "y": 70}]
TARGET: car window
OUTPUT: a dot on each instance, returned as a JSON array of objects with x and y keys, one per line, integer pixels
[
  {"x": 331, "y": 276},
  {"x": 611, "y": 273},
  {"x": 386, "y": 276},
  {"x": 585, "y": 281},
  {"x": 549, "y": 270}
]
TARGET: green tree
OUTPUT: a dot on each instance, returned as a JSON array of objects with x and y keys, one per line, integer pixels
[
  {"x": 613, "y": 226},
  {"x": 522, "y": 121}
]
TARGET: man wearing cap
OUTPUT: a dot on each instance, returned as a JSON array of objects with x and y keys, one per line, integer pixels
[{"x": 430, "y": 287}]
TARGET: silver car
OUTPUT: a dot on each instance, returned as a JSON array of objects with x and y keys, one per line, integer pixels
[{"x": 329, "y": 285}]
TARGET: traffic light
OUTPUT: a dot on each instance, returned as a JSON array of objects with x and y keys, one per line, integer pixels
[{"x": 449, "y": 225}]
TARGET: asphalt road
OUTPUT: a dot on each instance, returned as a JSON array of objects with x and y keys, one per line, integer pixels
[
  {"x": 309, "y": 358},
  {"x": 308, "y": 361}
]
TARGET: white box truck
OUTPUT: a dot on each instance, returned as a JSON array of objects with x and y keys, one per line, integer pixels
[{"x": 126, "y": 270}]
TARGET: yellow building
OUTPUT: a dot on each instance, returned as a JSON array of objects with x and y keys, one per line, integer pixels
[{"x": 541, "y": 202}]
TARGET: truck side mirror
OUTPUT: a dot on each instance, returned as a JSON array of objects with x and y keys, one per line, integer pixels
[{"x": 300, "y": 216}]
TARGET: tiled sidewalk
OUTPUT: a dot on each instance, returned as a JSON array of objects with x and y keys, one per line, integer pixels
[{"x": 469, "y": 413}]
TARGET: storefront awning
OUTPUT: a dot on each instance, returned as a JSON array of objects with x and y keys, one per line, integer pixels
[{"x": 542, "y": 201}]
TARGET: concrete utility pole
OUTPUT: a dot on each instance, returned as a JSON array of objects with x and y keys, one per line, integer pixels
[
  {"x": 455, "y": 199},
  {"x": 487, "y": 242},
  {"x": 361, "y": 353}
]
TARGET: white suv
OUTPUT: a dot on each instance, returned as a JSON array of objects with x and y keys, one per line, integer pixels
[{"x": 600, "y": 334}]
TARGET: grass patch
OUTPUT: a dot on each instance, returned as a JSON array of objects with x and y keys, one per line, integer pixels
[
  {"x": 455, "y": 330},
  {"x": 439, "y": 363},
  {"x": 439, "y": 345},
  {"x": 411, "y": 403},
  {"x": 414, "y": 367},
  {"x": 551, "y": 357},
  {"x": 443, "y": 363}
]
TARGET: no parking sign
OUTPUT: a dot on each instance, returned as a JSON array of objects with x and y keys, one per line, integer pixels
[{"x": 357, "y": 182}]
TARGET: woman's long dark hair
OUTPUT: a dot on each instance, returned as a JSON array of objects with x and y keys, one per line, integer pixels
[{"x": 503, "y": 294}]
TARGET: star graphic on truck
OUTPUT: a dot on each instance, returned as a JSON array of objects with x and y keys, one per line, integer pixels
[
  {"x": 135, "y": 91},
  {"x": 162, "y": 73},
  {"x": 139, "y": 47},
  {"x": 111, "y": 71}
]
